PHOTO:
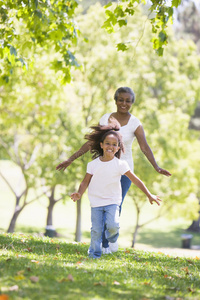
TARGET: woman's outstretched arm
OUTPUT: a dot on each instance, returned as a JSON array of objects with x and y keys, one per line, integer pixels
[
  {"x": 141, "y": 138},
  {"x": 84, "y": 149}
]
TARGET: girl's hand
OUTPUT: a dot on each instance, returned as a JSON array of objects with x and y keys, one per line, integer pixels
[
  {"x": 75, "y": 196},
  {"x": 153, "y": 198}
]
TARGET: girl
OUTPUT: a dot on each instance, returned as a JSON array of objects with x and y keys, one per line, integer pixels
[{"x": 103, "y": 181}]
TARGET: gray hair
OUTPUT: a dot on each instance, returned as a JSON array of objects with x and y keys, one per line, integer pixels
[{"x": 124, "y": 90}]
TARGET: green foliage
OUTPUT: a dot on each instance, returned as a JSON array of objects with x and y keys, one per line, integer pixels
[
  {"x": 118, "y": 14},
  {"x": 31, "y": 264},
  {"x": 30, "y": 25}
]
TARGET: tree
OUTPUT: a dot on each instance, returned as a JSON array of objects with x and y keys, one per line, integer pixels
[
  {"x": 29, "y": 25},
  {"x": 29, "y": 127},
  {"x": 55, "y": 142},
  {"x": 14, "y": 150},
  {"x": 160, "y": 14}
]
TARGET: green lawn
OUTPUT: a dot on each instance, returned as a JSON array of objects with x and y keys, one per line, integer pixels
[{"x": 40, "y": 268}]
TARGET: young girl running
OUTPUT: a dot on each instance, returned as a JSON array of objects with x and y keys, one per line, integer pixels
[{"x": 103, "y": 181}]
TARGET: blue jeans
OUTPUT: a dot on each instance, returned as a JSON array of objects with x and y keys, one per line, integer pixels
[
  {"x": 125, "y": 184},
  {"x": 110, "y": 214}
]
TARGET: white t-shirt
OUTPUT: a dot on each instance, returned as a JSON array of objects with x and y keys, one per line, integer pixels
[
  {"x": 128, "y": 134},
  {"x": 105, "y": 187}
]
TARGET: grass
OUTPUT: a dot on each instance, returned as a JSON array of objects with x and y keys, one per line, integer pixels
[{"x": 33, "y": 267}]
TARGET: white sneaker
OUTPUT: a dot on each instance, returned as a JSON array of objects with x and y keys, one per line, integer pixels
[
  {"x": 113, "y": 246},
  {"x": 106, "y": 250}
]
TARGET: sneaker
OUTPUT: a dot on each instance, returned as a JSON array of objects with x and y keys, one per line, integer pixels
[
  {"x": 106, "y": 250},
  {"x": 113, "y": 246}
]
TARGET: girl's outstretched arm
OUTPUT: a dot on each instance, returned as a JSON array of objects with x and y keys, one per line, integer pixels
[
  {"x": 83, "y": 186},
  {"x": 142, "y": 187},
  {"x": 141, "y": 138},
  {"x": 85, "y": 148}
]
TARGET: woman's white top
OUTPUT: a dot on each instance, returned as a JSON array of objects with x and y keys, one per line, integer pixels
[
  {"x": 105, "y": 187},
  {"x": 128, "y": 134}
]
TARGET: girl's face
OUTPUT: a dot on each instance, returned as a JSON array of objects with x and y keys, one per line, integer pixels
[
  {"x": 124, "y": 102},
  {"x": 110, "y": 146}
]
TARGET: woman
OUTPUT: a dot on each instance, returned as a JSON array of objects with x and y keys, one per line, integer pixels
[{"x": 131, "y": 127}]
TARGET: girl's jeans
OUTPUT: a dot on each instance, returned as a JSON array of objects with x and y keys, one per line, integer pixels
[
  {"x": 125, "y": 184},
  {"x": 110, "y": 214}
]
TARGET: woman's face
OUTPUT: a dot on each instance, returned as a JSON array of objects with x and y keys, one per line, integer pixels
[{"x": 124, "y": 102}]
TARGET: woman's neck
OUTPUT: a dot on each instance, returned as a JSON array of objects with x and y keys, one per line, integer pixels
[
  {"x": 122, "y": 114},
  {"x": 122, "y": 118}
]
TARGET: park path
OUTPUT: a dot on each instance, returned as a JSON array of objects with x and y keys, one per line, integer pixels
[{"x": 180, "y": 252}]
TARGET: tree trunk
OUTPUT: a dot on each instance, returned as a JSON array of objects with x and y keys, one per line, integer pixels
[
  {"x": 50, "y": 213},
  {"x": 78, "y": 221},
  {"x": 50, "y": 230},
  {"x": 134, "y": 235},
  {"x": 12, "y": 224},
  {"x": 194, "y": 227},
  {"x": 137, "y": 226}
]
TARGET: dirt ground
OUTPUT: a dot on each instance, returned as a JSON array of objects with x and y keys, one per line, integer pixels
[{"x": 194, "y": 252}]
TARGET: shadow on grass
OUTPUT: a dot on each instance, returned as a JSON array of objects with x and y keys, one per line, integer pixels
[
  {"x": 40, "y": 245},
  {"x": 162, "y": 239},
  {"x": 40, "y": 231},
  {"x": 86, "y": 234},
  {"x": 26, "y": 229},
  {"x": 151, "y": 237}
]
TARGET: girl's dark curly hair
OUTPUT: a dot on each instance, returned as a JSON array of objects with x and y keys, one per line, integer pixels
[{"x": 98, "y": 135}]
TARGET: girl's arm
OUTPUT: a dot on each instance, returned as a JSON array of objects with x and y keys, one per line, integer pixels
[
  {"x": 142, "y": 187},
  {"x": 85, "y": 148},
  {"x": 83, "y": 186},
  {"x": 141, "y": 138}
]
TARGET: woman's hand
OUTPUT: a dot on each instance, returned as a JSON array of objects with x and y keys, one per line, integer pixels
[
  {"x": 75, "y": 196},
  {"x": 63, "y": 165},
  {"x": 163, "y": 172},
  {"x": 153, "y": 198}
]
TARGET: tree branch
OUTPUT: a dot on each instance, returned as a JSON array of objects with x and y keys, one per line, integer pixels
[
  {"x": 156, "y": 217},
  {"x": 33, "y": 157},
  {"x": 4, "y": 178},
  {"x": 15, "y": 146}
]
